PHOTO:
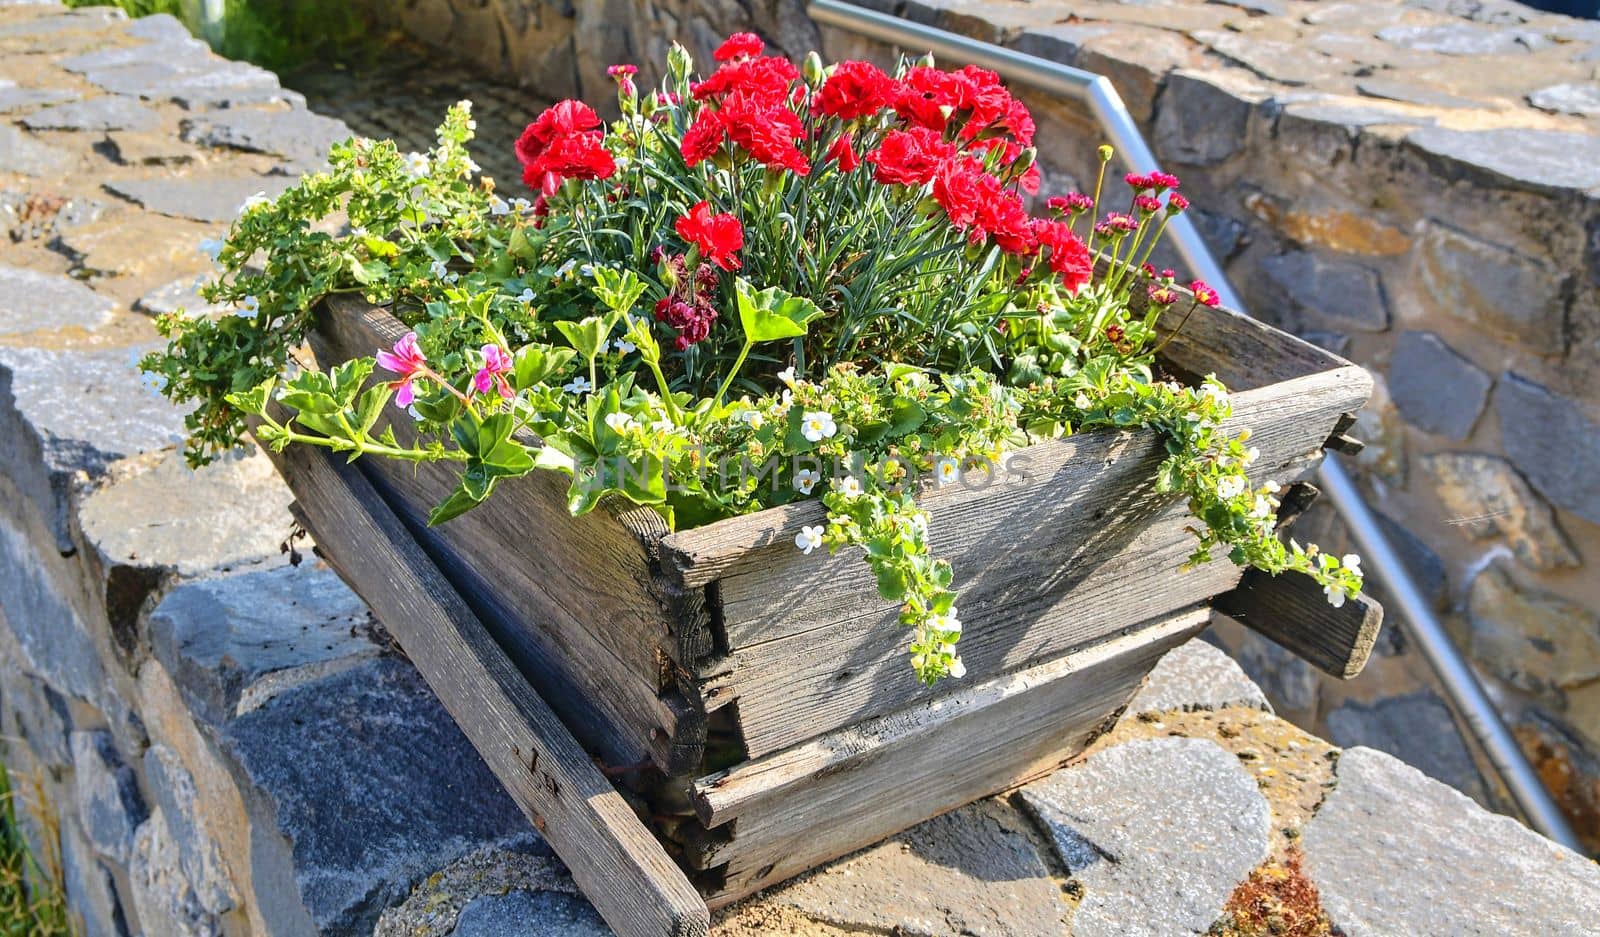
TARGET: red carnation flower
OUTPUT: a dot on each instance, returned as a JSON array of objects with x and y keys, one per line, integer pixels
[
  {"x": 1069, "y": 256},
  {"x": 843, "y": 152},
  {"x": 909, "y": 157},
  {"x": 767, "y": 79},
  {"x": 703, "y": 138},
  {"x": 564, "y": 118},
  {"x": 855, "y": 89},
  {"x": 927, "y": 97},
  {"x": 574, "y": 156},
  {"x": 1002, "y": 217},
  {"x": 739, "y": 45},
  {"x": 717, "y": 236},
  {"x": 766, "y": 131},
  {"x": 958, "y": 187}
]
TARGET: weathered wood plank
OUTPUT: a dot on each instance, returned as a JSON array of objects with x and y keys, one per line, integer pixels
[
  {"x": 1243, "y": 353},
  {"x": 622, "y": 869},
  {"x": 1292, "y": 610},
  {"x": 573, "y": 600},
  {"x": 815, "y": 648},
  {"x": 795, "y": 809}
]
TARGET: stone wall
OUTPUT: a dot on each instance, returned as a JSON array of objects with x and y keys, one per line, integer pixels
[
  {"x": 1415, "y": 185},
  {"x": 212, "y": 736}
]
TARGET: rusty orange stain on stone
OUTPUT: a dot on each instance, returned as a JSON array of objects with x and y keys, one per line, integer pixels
[{"x": 1335, "y": 230}]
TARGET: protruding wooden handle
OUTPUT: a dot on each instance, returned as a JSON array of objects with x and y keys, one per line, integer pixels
[{"x": 1292, "y": 610}]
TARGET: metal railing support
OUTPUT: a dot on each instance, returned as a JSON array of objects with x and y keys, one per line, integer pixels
[{"x": 1096, "y": 91}]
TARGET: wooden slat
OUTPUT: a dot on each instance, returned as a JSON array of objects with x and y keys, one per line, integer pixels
[
  {"x": 795, "y": 809},
  {"x": 1244, "y": 353},
  {"x": 575, "y": 601},
  {"x": 1292, "y": 610},
  {"x": 1078, "y": 551},
  {"x": 621, "y": 868}
]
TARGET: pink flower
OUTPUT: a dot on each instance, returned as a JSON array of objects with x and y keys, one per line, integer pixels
[
  {"x": 1176, "y": 203},
  {"x": 1204, "y": 294},
  {"x": 408, "y": 361},
  {"x": 496, "y": 363}
]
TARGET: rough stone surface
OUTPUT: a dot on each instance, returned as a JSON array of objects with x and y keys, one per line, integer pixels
[
  {"x": 103, "y": 113},
  {"x": 1543, "y": 158},
  {"x": 1532, "y": 639},
  {"x": 173, "y": 790},
  {"x": 1583, "y": 99},
  {"x": 971, "y": 871},
  {"x": 1436, "y": 388},
  {"x": 1553, "y": 441},
  {"x": 1488, "y": 498},
  {"x": 14, "y": 99},
  {"x": 161, "y": 896},
  {"x": 201, "y": 198},
  {"x": 1288, "y": 681},
  {"x": 33, "y": 216},
  {"x": 22, "y": 153},
  {"x": 1347, "y": 294},
  {"x": 507, "y": 915},
  {"x": 1516, "y": 296},
  {"x": 298, "y": 134},
  {"x": 434, "y": 908},
  {"x": 181, "y": 294},
  {"x": 108, "y": 798},
  {"x": 1156, "y": 832},
  {"x": 1385, "y": 821},
  {"x": 31, "y": 301},
  {"x": 1416, "y": 728},
  {"x": 1197, "y": 676},
  {"x": 1199, "y": 123}
]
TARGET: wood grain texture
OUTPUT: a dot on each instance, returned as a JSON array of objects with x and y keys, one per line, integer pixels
[
  {"x": 827, "y": 797},
  {"x": 1292, "y": 610},
  {"x": 1078, "y": 549},
  {"x": 622, "y": 869},
  {"x": 575, "y": 601}
]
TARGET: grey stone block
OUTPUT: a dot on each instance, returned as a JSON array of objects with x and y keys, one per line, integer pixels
[
  {"x": 1156, "y": 832},
  {"x": 1489, "y": 498},
  {"x": 1580, "y": 99},
  {"x": 19, "y": 99},
  {"x": 178, "y": 295},
  {"x": 1416, "y": 728},
  {"x": 106, "y": 795},
  {"x": 163, "y": 899},
  {"x": 22, "y": 154},
  {"x": 1197, "y": 676},
  {"x": 173, "y": 790},
  {"x": 517, "y": 913},
  {"x": 1509, "y": 293},
  {"x": 1199, "y": 123},
  {"x": 102, "y": 113},
  {"x": 1544, "y": 159},
  {"x": 1394, "y": 853},
  {"x": 37, "y": 302},
  {"x": 90, "y": 890},
  {"x": 1346, "y": 293},
  {"x": 201, "y": 198},
  {"x": 298, "y": 134},
  {"x": 1464, "y": 39},
  {"x": 1535, "y": 640},
  {"x": 1436, "y": 388},
  {"x": 1554, "y": 441}
]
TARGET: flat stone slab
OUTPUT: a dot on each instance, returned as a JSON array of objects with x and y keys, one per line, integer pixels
[
  {"x": 90, "y": 407},
  {"x": 1465, "y": 39},
  {"x": 1435, "y": 387},
  {"x": 102, "y": 113},
  {"x": 1581, "y": 99},
  {"x": 233, "y": 642},
  {"x": 1547, "y": 158},
  {"x": 1554, "y": 441},
  {"x": 299, "y": 134},
  {"x": 201, "y": 198},
  {"x": 19, "y": 99},
  {"x": 1415, "y": 726},
  {"x": 21, "y": 153},
  {"x": 27, "y": 216},
  {"x": 513, "y": 913},
  {"x": 1393, "y": 852},
  {"x": 34, "y": 302},
  {"x": 196, "y": 82},
  {"x": 971, "y": 871},
  {"x": 232, "y": 512},
  {"x": 1157, "y": 832},
  {"x": 1410, "y": 92},
  {"x": 181, "y": 294},
  {"x": 1197, "y": 676}
]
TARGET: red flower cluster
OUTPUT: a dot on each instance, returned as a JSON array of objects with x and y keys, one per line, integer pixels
[
  {"x": 716, "y": 236},
  {"x": 564, "y": 142},
  {"x": 1073, "y": 203},
  {"x": 1069, "y": 256},
  {"x": 1151, "y": 181},
  {"x": 690, "y": 310},
  {"x": 979, "y": 204},
  {"x": 909, "y": 157},
  {"x": 739, "y": 45},
  {"x": 854, "y": 90},
  {"x": 748, "y": 103},
  {"x": 928, "y": 97}
]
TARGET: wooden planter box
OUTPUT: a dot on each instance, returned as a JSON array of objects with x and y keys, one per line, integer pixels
[{"x": 753, "y": 705}]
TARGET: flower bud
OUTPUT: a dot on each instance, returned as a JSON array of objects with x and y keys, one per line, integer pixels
[
  {"x": 1025, "y": 160},
  {"x": 812, "y": 68},
  {"x": 1106, "y": 152},
  {"x": 679, "y": 63},
  {"x": 926, "y": 61}
]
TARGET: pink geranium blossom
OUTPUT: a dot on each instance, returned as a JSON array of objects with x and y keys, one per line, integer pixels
[
  {"x": 496, "y": 364},
  {"x": 408, "y": 361}
]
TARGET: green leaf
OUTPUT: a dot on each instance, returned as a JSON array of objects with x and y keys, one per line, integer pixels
[
  {"x": 773, "y": 313},
  {"x": 906, "y": 416},
  {"x": 534, "y": 364},
  {"x": 254, "y": 400},
  {"x": 618, "y": 289},
  {"x": 586, "y": 335},
  {"x": 458, "y": 503}
]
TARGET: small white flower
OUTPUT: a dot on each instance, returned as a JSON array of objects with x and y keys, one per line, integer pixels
[
  {"x": 1335, "y": 594},
  {"x": 249, "y": 307},
  {"x": 439, "y": 269},
  {"x": 620, "y": 422},
  {"x": 469, "y": 162},
  {"x": 1272, "y": 487},
  {"x": 212, "y": 247},
  {"x": 521, "y": 205},
  {"x": 253, "y": 202},
  {"x": 817, "y": 426},
  {"x": 787, "y": 376},
  {"x": 808, "y": 539},
  {"x": 1263, "y": 506},
  {"x": 578, "y": 385},
  {"x": 848, "y": 486},
  {"x": 1350, "y": 561},
  {"x": 359, "y": 231},
  {"x": 414, "y": 413},
  {"x": 1230, "y": 487},
  {"x": 663, "y": 425},
  {"x": 947, "y": 471},
  {"x": 499, "y": 206},
  {"x": 1250, "y": 455},
  {"x": 958, "y": 669},
  {"x": 566, "y": 268},
  {"x": 526, "y": 296},
  {"x": 416, "y": 165},
  {"x": 752, "y": 417},
  {"x": 1215, "y": 394},
  {"x": 805, "y": 480},
  {"x": 947, "y": 622},
  {"x": 1082, "y": 401},
  {"x": 624, "y": 347},
  {"x": 1192, "y": 416}
]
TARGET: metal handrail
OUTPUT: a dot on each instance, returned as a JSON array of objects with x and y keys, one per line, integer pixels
[{"x": 1460, "y": 683}]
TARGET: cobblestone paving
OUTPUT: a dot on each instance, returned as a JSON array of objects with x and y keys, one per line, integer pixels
[{"x": 403, "y": 96}]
